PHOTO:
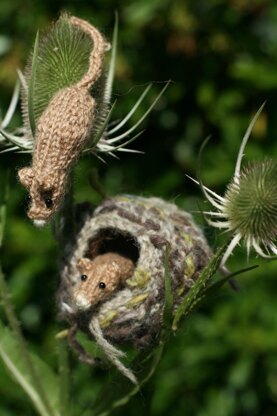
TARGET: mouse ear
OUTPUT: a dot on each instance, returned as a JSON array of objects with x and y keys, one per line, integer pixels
[
  {"x": 84, "y": 264},
  {"x": 26, "y": 176}
]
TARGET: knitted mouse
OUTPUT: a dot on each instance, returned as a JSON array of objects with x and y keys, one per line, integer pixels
[
  {"x": 100, "y": 278},
  {"x": 66, "y": 122}
]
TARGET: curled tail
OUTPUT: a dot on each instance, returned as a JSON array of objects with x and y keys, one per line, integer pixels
[{"x": 97, "y": 54}]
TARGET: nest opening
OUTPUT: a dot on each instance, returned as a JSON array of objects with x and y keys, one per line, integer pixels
[{"x": 112, "y": 240}]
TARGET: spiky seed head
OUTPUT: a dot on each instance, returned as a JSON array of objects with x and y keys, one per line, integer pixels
[
  {"x": 249, "y": 207},
  {"x": 63, "y": 59},
  {"x": 251, "y": 203}
]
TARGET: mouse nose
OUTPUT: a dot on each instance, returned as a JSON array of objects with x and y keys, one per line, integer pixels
[
  {"x": 82, "y": 302},
  {"x": 38, "y": 215},
  {"x": 39, "y": 223}
]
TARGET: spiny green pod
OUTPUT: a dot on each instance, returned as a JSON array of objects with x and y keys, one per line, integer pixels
[
  {"x": 251, "y": 203},
  {"x": 113, "y": 285},
  {"x": 62, "y": 107},
  {"x": 248, "y": 209}
]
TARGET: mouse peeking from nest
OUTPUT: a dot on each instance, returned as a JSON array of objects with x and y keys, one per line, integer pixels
[
  {"x": 100, "y": 278},
  {"x": 113, "y": 282}
]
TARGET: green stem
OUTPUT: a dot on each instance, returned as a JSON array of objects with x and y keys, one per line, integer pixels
[
  {"x": 64, "y": 378},
  {"x": 3, "y": 208},
  {"x": 21, "y": 379},
  {"x": 14, "y": 324}
]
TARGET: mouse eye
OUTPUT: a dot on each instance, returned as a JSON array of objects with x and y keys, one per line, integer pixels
[
  {"x": 48, "y": 202},
  {"x": 102, "y": 285},
  {"x": 84, "y": 277},
  {"x": 46, "y": 196}
]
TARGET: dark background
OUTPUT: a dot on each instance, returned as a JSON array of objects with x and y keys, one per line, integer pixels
[{"x": 221, "y": 57}]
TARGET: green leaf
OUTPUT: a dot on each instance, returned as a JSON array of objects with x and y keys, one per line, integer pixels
[
  {"x": 196, "y": 292},
  {"x": 11, "y": 356},
  {"x": 214, "y": 287}
]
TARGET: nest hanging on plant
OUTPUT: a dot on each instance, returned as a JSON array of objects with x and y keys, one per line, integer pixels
[{"x": 112, "y": 286}]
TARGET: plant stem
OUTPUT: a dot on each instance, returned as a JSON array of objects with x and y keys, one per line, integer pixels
[
  {"x": 14, "y": 324},
  {"x": 12, "y": 319},
  {"x": 27, "y": 387},
  {"x": 64, "y": 378},
  {"x": 3, "y": 209}
]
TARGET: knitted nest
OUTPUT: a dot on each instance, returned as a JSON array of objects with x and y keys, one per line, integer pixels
[{"x": 138, "y": 230}]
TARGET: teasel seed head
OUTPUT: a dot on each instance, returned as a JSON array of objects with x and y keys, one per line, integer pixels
[
  {"x": 251, "y": 204},
  {"x": 248, "y": 209}
]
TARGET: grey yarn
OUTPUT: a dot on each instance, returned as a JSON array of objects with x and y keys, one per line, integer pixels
[{"x": 111, "y": 352}]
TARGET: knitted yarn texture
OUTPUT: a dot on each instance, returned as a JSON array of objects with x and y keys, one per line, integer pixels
[
  {"x": 62, "y": 130},
  {"x": 137, "y": 230}
]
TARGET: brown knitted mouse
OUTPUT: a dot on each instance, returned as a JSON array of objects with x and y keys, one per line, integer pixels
[
  {"x": 62, "y": 130},
  {"x": 100, "y": 278}
]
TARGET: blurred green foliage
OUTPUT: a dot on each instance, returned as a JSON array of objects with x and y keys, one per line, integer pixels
[{"x": 222, "y": 57}]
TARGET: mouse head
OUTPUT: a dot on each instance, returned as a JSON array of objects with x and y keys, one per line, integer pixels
[
  {"x": 44, "y": 194},
  {"x": 100, "y": 278}
]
